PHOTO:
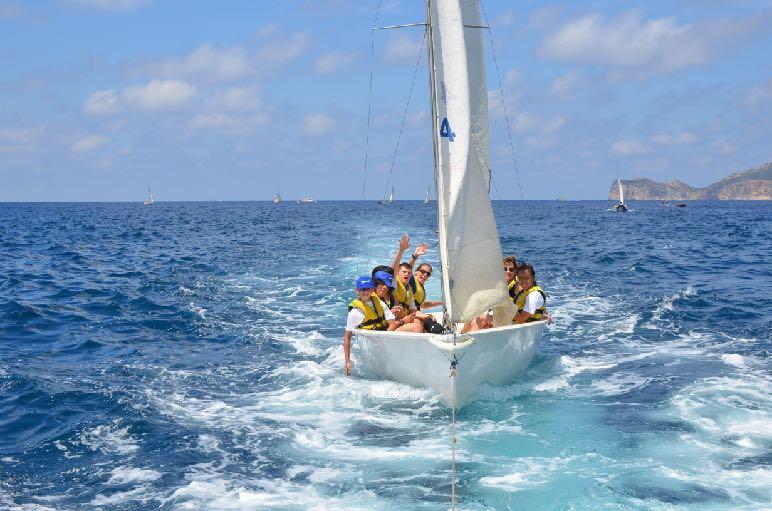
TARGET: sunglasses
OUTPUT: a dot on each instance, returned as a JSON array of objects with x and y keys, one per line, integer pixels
[
  {"x": 512, "y": 270},
  {"x": 427, "y": 273}
]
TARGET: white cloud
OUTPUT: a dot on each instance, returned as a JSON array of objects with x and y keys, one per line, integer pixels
[
  {"x": 562, "y": 85},
  {"x": 89, "y": 143},
  {"x": 159, "y": 94},
  {"x": 103, "y": 103},
  {"x": 210, "y": 62},
  {"x": 235, "y": 99},
  {"x": 228, "y": 122},
  {"x": 20, "y": 135},
  {"x": 283, "y": 50},
  {"x": 679, "y": 138},
  {"x": 630, "y": 43},
  {"x": 757, "y": 96},
  {"x": 553, "y": 125},
  {"x": 109, "y": 5},
  {"x": 723, "y": 147},
  {"x": 402, "y": 50},
  {"x": 330, "y": 63},
  {"x": 629, "y": 148},
  {"x": 317, "y": 124},
  {"x": 525, "y": 122}
]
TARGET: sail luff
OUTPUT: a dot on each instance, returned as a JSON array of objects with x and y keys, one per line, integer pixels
[{"x": 438, "y": 176}]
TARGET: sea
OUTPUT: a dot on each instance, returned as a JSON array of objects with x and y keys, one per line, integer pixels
[{"x": 187, "y": 356}]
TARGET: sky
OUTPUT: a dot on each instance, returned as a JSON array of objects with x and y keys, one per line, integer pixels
[{"x": 236, "y": 100}]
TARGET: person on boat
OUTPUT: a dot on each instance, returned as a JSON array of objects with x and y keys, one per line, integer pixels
[
  {"x": 417, "y": 285},
  {"x": 414, "y": 283},
  {"x": 387, "y": 292},
  {"x": 531, "y": 301},
  {"x": 510, "y": 273},
  {"x": 367, "y": 312},
  {"x": 384, "y": 287}
]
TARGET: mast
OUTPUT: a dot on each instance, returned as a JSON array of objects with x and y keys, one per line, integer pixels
[{"x": 433, "y": 99}]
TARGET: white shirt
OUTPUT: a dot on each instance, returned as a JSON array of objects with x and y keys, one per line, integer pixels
[
  {"x": 356, "y": 316},
  {"x": 533, "y": 301}
]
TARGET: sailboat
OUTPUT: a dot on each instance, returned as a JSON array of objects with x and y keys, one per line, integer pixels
[
  {"x": 426, "y": 199},
  {"x": 390, "y": 200},
  {"x": 470, "y": 251},
  {"x": 277, "y": 199},
  {"x": 149, "y": 201},
  {"x": 667, "y": 201},
  {"x": 306, "y": 200},
  {"x": 621, "y": 207}
]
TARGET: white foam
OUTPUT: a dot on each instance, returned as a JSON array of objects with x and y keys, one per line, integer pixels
[
  {"x": 192, "y": 307},
  {"x": 110, "y": 438},
  {"x": 125, "y": 475},
  {"x": 733, "y": 359}
]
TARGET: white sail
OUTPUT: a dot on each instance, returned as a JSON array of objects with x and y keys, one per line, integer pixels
[
  {"x": 277, "y": 199},
  {"x": 469, "y": 241},
  {"x": 426, "y": 198},
  {"x": 391, "y": 195},
  {"x": 621, "y": 194}
]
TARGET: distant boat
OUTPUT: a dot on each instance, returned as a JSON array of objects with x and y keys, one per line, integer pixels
[
  {"x": 426, "y": 199},
  {"x": 149, "y": 201},
  {"x": 390, "y": 200},
  {"x": 277, "y": 199},
  {"x": 681, "y": 205},
  {"x": 304, "y": 200},
  {"x": 667, "y": 201},
  {"x": 220, "y": 199},
  {"x": 621, "y": 207}
]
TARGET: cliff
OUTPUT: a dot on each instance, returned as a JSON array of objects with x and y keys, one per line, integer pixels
[{"x": 752, "y": 184}]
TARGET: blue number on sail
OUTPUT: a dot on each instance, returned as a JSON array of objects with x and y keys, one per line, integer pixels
[{"x": 445, "y": 130}]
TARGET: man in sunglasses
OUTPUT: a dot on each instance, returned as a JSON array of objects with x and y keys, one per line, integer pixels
[{"x": 413, "y": 285}]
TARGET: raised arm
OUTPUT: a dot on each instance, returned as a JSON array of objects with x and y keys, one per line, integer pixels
[
  {"x": 419, "y": 251},
  {"x": 404, "y": 244}
]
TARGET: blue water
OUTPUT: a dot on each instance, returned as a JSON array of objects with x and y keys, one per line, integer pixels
[{"x": 187, "y": 356}]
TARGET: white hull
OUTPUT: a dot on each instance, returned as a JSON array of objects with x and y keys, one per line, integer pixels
[{"x": 496, "y": 356}]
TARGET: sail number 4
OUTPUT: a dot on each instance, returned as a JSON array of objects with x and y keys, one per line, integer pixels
[{"x": 445, "y": 130}]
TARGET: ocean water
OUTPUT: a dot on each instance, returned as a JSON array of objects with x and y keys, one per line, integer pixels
[{"x": 187, "y": 356}]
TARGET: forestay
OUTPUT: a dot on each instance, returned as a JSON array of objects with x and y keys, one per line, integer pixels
[{"x": 469, "y": 241}]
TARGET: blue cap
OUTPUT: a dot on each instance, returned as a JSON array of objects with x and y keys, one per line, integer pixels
[
  {"x": 365, "y": 282},
  {"x": 385, "y": 277}
]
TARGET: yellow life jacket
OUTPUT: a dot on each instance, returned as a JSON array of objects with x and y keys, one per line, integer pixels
[
  {"x": 419, "y": 294},
  {"x": 402, "y": 295},
  {"x": 374, "y": 317},
  {"x": 511, "y": 286},
  {"x": 520, "y": 302}
]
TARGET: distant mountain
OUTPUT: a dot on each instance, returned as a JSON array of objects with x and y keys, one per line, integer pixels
[{"x": 751, "y": 184}]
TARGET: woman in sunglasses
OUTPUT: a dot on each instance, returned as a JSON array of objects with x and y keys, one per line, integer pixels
[
  {"x": 510, "y": 273},
  {"x": 417, "y": 283}
]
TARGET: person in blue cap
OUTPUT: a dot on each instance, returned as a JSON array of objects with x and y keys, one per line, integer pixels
[{"x": 365, "y": 311}]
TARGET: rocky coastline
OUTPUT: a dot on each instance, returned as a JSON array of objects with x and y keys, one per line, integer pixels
[{"x": 751, "y": 184}]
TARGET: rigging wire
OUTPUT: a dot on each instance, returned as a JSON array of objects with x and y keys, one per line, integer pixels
[
  {"x": 369, "y": 110},
  {"x": 370, "y": 96},
  {"x": 404, "y": 116},
  {"x": 503, "y": 101}
]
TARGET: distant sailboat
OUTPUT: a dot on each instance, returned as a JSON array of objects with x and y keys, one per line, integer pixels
[
  {"x": 149, "y": 201},
  {"x": 621, "y": 207},
  {"x": 667, "y": 201},
  {"x": 391, "y": 196},
  {"x": 426, "y": 199},
  {"x": 277, "y": 199},
  {"x": 306, "y": 200}
]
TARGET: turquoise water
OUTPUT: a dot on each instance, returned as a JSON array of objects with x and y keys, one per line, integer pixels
[{"x": 187, "y": 356}]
